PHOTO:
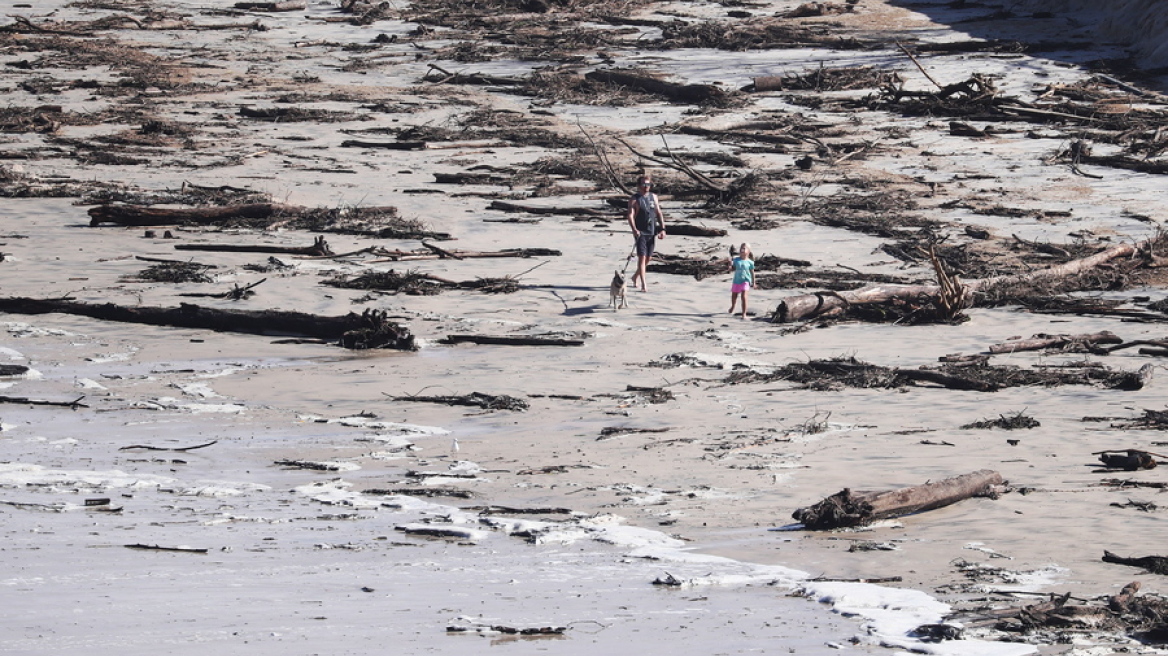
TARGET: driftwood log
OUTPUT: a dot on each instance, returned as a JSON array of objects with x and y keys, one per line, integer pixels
[
  {"x": 286, "y": 5},
  {"x": 371, "y": 329},
  {"x": 439, "y": 75},
  {"x": 319, "y": 248},
  {"x": 691, "y": 93},
  {"x": 147, "y": 447},
  {"x": 155, "y": 547},
  {"x": 822, "y": 304},
  {"x": 476, "y": 399},
  {"x": 1044, "y": 341},
  {"x": 1128, "y": 460},
  {"x": 1154, "y": 564},
  {"x": 398, "y": 255},
  {"x": 388, "y": 145},
  {"x": 429, "y": 491},
  {"x": 142, "y": 215},
  {"x": 508, "y": 206},
  {"x": 784, "y": 139},
  {"x": 511, "y": 340},
  {"x": 24, "y": 400},
  {"x": 857, "y": 508},
  {"x": 690, "y": 230}
]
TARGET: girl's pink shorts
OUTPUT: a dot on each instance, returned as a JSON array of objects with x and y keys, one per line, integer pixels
[{"x": 739, "y": 288}]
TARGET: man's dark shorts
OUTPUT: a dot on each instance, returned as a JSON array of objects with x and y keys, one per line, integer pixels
[{"x": 646, "y": 244}]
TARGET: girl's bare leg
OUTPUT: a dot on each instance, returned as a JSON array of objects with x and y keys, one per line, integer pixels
[
  {"x": 733, "y": 301},
  {"x": 743, "y": 305}
]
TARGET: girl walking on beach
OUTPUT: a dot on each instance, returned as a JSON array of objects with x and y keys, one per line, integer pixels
[{"x": 743, "y": 266}]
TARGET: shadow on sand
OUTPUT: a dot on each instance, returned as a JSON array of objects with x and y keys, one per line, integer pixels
[{"x": 1068, "y": 37}]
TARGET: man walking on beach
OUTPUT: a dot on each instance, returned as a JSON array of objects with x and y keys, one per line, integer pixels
[{"x": 648, "y": 224}]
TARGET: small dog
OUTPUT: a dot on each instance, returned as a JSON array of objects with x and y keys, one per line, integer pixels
[{"x": 616, "y": 291}]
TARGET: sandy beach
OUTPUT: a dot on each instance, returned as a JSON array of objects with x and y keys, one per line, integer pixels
[{"x": 179, "y": 489}]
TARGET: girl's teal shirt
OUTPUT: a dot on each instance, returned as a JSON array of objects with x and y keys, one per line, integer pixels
[{"x": 743, "y": 271}]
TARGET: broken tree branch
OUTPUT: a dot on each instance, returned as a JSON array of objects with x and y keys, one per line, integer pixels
[{"x": 677, "y": 165}]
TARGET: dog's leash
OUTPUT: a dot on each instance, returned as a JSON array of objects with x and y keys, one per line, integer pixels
[{"x": 629, "y": 258}]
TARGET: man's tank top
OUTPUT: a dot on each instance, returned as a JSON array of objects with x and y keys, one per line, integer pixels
[{"x": 646, "y": 217}]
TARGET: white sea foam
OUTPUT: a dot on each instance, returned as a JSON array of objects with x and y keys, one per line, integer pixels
[
  {"x": 197, "y": 390},
  {"x": 17, "y": 474}
]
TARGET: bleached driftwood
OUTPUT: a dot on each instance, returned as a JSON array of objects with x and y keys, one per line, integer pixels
[
  {"x": 856, "y": 508},
  {"x": 1043, "y": 341},
  {"x": 820, "y": 304}
]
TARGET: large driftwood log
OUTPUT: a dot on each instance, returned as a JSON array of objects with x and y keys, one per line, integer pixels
[
  {"x": 141, "y": 215},
  {"x": 357, "y": 331},
  {"x": 848, "y": 508},
  {"x": 1154, "y": 564},
  {"x": 820, "y": 304}
]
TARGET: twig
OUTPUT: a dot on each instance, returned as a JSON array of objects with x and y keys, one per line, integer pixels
[
  {"x": 155, "y": 547},
  {"x": 609, "y": 170},
  {"x": 25, "y": 400},
  {"x": 236, "y": 293},
  {"x": 21, "y": 20},
  {"x": 918, "y": 65},
  {"x": 686, "y": 168},
  {"x": 520, "y": 275},
  {"x": 677, "y": 166},
  {"x": 1132, "y": 89},
  {"x": 868, "y": 146},
  {"x": 885, "y": 579},
  {"x": 147, "y": 447},
  {"x": 440, "y": 251}
]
